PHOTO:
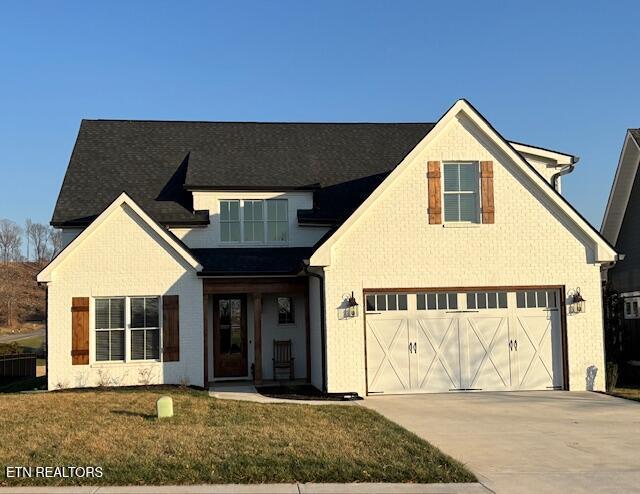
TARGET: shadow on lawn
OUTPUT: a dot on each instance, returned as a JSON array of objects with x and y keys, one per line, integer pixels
[{"x": 129, "y": 413}]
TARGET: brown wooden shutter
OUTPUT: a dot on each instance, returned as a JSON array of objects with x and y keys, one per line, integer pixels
[
  {"x": 435, "y": 207},
  {"x": 80, "y": 330},
  {"x": 486, "y": 182},
  {"x": 170, "y": 328}
]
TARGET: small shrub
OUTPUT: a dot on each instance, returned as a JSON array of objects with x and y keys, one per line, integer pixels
[
  {"x": 10, "y": 348},
  {"x": 104, "y": 379},
  {"x": 145, "y": 376}
]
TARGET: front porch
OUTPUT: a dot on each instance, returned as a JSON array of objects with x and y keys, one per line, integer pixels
[{"x": 243, "y": 317}]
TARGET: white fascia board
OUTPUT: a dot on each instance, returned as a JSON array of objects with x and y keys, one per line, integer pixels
[
  {"x": 621, "y": 189},
  {"x": 604, "y": 252},
  {"x": 44, "y": 276},
  {"x": 560, "y": 158}
]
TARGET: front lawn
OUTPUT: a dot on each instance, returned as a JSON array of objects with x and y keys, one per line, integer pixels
[
  {"x": 210, "y": 441},
  {"x": 628, "y": 392}
]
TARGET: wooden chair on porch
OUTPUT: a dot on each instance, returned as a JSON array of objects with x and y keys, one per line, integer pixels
[{"x": 282, "y": 358}]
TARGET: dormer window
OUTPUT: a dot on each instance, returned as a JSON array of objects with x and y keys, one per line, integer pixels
[
  {"x": 277, "y": 220},
  {"x": 261, "y": 219},
  {"x": 253, "y": 221},
  {"x": 230, "y": 221}
]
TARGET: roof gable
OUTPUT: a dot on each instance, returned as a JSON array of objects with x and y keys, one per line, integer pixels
[
  {"x": 604, "y": 252},
  {"x": 622, "y": 185},
  {"x": 171, "y": 240}
]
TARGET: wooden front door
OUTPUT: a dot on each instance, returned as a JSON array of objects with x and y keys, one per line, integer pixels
[{"x": 230, "y": 336}]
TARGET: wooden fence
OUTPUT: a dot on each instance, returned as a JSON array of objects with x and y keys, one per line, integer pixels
[{"x": 18, "y": 365}]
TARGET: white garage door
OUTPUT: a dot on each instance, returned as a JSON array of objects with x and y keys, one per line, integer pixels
[{"x": 435, "y": 342}]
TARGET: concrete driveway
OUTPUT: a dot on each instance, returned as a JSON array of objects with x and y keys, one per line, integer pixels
[{"x": 533, "y": 442}]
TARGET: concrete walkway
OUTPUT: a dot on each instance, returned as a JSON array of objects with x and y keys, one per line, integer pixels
[
  {"x": 529, "y": 442},
  {"x": 248, "y": 392},
  {"x": 265, "y": 489}
]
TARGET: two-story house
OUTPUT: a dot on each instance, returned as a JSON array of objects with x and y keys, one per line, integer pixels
[{"x": 395, "y": 258}]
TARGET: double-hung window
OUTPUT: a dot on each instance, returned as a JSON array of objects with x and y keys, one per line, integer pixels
[
  {"x": 277, "y": 220},
  {"x": 110, "y": 328},
  {"x": 117, "y": 328},
  {"x": 461, "y": 196},
  {"x": 253, "y": 221},
  {"x": 261, "y": 219},
  {"x": 230, "y": 221},
  {"x": 145, "y": 328}
]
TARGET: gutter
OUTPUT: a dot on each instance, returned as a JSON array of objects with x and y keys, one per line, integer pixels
[
  {"x": 323, "y": 326},
  {"x": 565, "y": 170}
]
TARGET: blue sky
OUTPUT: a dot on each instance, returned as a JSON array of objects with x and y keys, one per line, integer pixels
[{"x": 561, "y": 75}]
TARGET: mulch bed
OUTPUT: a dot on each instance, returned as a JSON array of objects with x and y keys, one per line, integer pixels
[{"x": 303, "y": 392}]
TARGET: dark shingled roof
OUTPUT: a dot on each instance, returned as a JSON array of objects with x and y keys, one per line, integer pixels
[
  {"x": 636, "y": 135},
  {"x": 256, "y": 260},
  {"x": 155, "y": 162}
]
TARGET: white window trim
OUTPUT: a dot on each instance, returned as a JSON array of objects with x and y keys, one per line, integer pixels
[
  {"x": 127, "y": 332},
  {"x": 221, "y": 221},
  {"x": 94, "y": 337},
  {"x": 478, "y": 192},
  {"x": 265, "y": 223},
  {"x": 242, "y": 222},
  {"x": 630, "y": 301}
]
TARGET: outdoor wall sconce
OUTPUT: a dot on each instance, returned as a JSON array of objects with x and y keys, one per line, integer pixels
[
  {"x": 348, "y": 309},
  {"x": 578, "y": 303}
]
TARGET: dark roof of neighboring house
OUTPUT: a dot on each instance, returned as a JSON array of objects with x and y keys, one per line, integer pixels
[
  {"x": 256, "y": 260},
  {"x": 636, "y": 135},
  {"x": 155, "y": 162}
]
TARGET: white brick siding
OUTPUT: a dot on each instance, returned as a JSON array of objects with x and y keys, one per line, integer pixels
[
  {"x": 123, "y": 257},
  {"x": 393, "y": 246}
]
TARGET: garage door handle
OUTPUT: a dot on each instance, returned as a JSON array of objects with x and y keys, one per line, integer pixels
[
  {"x": 515, "y": 344},
  {"x": 410, "y": 347},
  {"x": 511, "y": 345}
]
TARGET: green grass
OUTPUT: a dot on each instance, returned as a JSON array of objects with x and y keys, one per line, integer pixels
[
  {"x": 210, "y": 441},
  {"x": 33, "y": 343},
  {"x": 630, "y": 393}
]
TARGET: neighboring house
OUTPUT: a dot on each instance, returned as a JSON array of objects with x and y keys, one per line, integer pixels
[
  {"x": 621, "y": 227},
  {"x": 192, "y": 246}
]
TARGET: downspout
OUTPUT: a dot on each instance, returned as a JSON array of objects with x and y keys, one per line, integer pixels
[
  {"x": 565, "y": 170},
  {"x": 323, "y": 327}
]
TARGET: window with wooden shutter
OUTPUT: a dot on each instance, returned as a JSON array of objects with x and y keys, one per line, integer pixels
[
  {"x": 110, "y": 329},
  {"x": 145, "y": 332},
  {"x": 170, "y": 328},
  {"x": 80, "y": 330},
  {"x": 486, "y": 183},
  {"x": 460, "y": 192},
  {"x": 435, "y": 207}
]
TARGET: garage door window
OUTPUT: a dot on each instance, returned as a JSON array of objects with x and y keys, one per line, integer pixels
[
  {"x": 487, "y": 300},
  {"x": 386, "y": 301},
  {"x": 529, "y": 299},
  {"x": 437, "y": 301}
]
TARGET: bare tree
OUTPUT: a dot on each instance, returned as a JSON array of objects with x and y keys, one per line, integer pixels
[
  {"x": 39, "y": 238},
  {"x": 10, "y": 241},
  {"x": 28, "y": 227},
  {"x": 55, "y": 238}
]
